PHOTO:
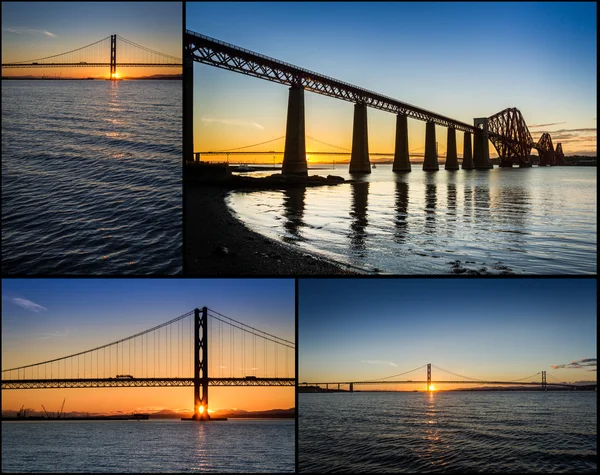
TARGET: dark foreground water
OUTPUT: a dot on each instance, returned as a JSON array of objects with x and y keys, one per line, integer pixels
[
  {"x": 91, "y": 177},
  {"x": 149, "y": 446},
  {"x": 417, "y": 432},
  {"x": 501, "y": 221}
]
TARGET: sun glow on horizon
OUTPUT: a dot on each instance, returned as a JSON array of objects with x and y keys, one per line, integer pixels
[{"x": 431, "y": 387}]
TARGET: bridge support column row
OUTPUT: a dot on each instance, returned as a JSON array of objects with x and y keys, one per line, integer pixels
[
  {"x": 359, "y": 160},
  {"x": 451, "y": 157},
  {"x": 431, "y": 159},
  {"x": 401, "y": 156},
  {"x": 467, "y": 161},
  {"x": 294, "y": 156}
]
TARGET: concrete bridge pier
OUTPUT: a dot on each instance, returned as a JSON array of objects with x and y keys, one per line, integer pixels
[
  {"x": 401, "y": 157},
  {"x": 451, "y": 157},
  {"x": 359, "y": 160},
  {"x": 431, "y": 160},
  {"x": 481, "y": 149},
  {"x": 467, "y": 162},
  {"x": 294, "y": 155},
  {"x": 351, "y": 387}
]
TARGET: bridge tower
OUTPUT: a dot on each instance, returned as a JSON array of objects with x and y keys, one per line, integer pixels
[
  {"x": 201, "y": 364},
  {"x": 428, "y": 376},
  {"x": 543, "y": 381},
  {"x": 113, "y": 56}
]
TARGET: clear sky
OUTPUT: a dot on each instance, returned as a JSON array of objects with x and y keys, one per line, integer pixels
[
  {"x": 44, "y": 319},
  {"x": 461, "y": 60},
  {"x": 490, "y": 329},
  {"x": 32, "y": 30}
]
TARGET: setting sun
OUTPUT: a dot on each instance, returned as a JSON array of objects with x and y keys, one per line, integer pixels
[
  {"x": 431, "y": 387},
  {"x": 201, "y": 409}
]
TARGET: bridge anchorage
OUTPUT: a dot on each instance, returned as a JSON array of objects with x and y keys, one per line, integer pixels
[
  {"x": 448, "y": 377},
  {"x": 103, "y": 53},
  {"x": 169, "y": 356},
  {"x": 506, "y": 130}
]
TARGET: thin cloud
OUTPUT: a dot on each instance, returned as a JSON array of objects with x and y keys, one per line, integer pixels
[
  {"x": 28, "y": 305},
  {"x": 29, "y": 30},
  {"x": 57, "y": 334},
  {"x": 566, "y": 130},
  {"x": 546, "y": 125},
  {"x": 237, "y": 122},
  {"x": 586, "y": 362},
  {"x": 379, "y": 362}
]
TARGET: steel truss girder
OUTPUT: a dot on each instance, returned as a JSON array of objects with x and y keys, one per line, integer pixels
[
  {"x": 140, "y": 382},
  {"x": 226, "y": 56},
  {"x": 546, "y": 150},
  {"x": 92, "y": 65},
  {"x": 510, "y": 137}
]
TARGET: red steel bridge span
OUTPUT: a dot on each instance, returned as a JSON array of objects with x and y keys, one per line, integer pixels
[
  {"x": 103, "y": 54},
  {"x": 173, "y": 354},
  {"x": 506, "y": 130},
  {"x": 537, "y": 379}
]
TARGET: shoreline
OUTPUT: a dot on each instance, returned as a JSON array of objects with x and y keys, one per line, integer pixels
[{"x": 216, "y": 243}]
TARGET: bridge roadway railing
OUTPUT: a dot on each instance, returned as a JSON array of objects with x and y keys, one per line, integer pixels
[
  {"x": 140, "y": 382},
  {"x": 217, "y": 53},
  {"x": 89, "y": 65}
]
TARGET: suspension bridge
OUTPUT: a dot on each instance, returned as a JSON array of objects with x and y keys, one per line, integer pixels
[
  {"x": 102, "y": 54},
  {"x": 334, "y": 151},
  {"x": 507, "y": 130},
  {"x": 201, "y": 348},
  {"x": 446, "y": 377}
]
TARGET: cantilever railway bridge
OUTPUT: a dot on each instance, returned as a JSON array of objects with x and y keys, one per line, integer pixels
[
  {"x": 173, "y": 354},
  {"x": 506, "y": 130}
]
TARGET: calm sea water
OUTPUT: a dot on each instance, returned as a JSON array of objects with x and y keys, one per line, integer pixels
[
  {"x": 501, "y": 221},
  {"x": 91, "y": 177},
  {"x": 416, "y": 432},
  {"x": 149, "y": 446}
]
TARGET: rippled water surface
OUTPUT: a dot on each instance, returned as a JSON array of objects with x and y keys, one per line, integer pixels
[
  {"x": 149, "y": 446},
  {"x": 501, "y": 221},
  {"x": 417, "y": 432},
  {"x": 91, "y": 177}
]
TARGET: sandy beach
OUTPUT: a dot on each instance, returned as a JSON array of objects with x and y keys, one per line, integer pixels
[{"x": 217, "y": 244}]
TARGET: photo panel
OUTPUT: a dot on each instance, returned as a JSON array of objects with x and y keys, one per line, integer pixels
[
  {"x": 321, "y": 144},
  {"x": 148, "y": 375},
  {"x": 91, "y": 138},
  {"x": 459, "y": 375}
]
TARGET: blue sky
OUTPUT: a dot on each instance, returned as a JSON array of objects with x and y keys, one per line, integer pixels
[
  {"x": 482, "y": 328},
  {"x": 463, "y": 60}
]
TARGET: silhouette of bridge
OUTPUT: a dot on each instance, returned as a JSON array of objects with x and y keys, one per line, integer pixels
[
  {"x": 447, "y": 377},
  {"x": 103, "y": 53},
  {"x": 506, "y": 130},
  {"x": 173, "y": 354}
]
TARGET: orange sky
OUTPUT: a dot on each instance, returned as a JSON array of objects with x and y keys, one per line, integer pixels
[{"x": 147, "y": 399}]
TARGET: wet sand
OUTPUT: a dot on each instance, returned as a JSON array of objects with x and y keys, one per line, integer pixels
[{"x": 217, "y": 244}]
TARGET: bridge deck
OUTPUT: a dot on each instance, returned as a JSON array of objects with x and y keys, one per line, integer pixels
[{"x": 140, "y": 382}]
